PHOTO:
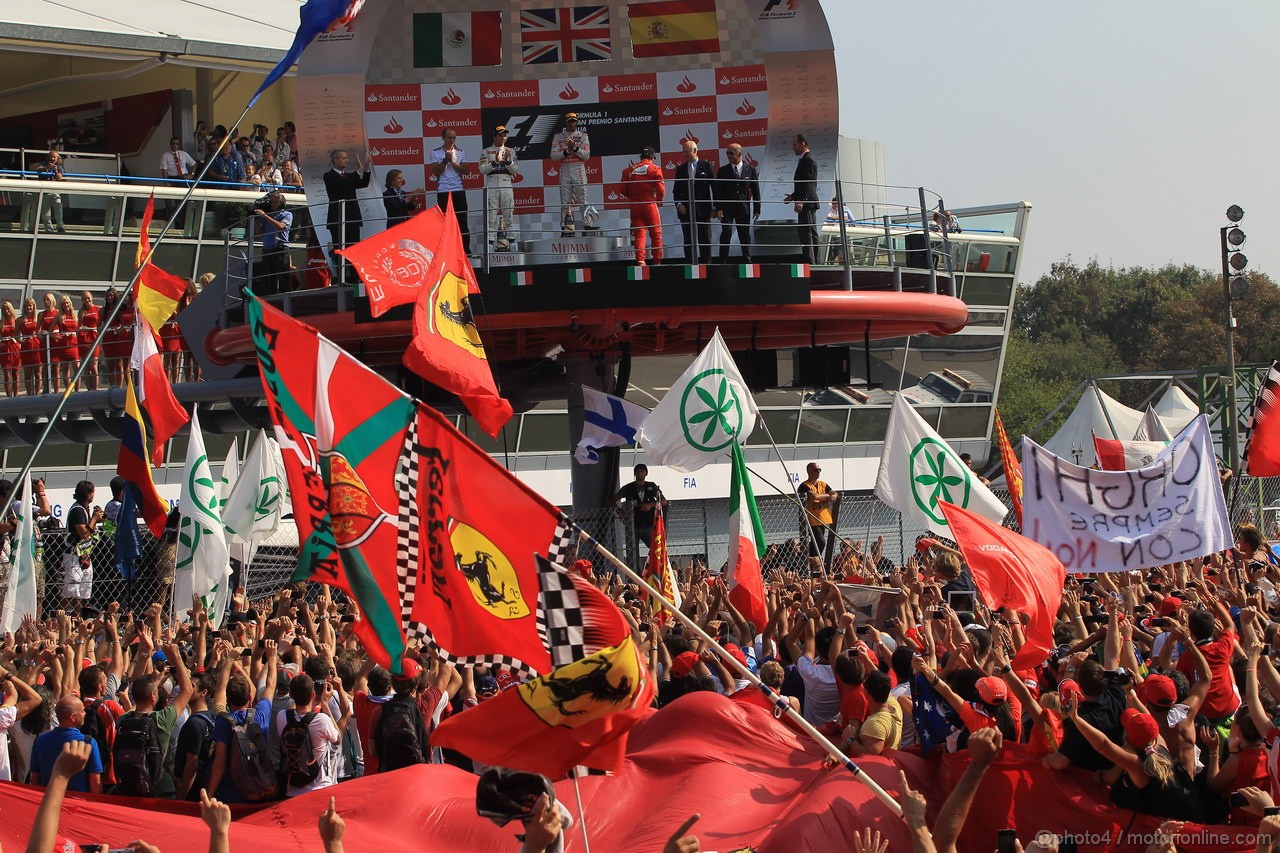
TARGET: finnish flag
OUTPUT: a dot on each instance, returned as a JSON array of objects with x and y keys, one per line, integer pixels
[{"x": 607, "y": 421}]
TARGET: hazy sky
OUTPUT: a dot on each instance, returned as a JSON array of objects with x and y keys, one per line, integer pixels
[{"x": 1130, "y": 126}]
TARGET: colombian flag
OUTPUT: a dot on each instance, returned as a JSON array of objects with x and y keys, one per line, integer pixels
[
  {"x": 132, "y": 463},
  {"x": 673, "y": 28}
]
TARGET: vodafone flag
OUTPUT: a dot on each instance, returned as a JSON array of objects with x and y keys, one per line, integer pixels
[
  {"x": 1116, "y": 455},
  {"x": 1011, "y": 571}
]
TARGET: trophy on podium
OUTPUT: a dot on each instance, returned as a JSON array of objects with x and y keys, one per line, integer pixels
[{"x": 591, "y": 221}]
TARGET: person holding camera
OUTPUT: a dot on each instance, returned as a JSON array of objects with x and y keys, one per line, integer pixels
[
  {"x": 77, "y": 564},
  {"x": 276, "y": 222}
]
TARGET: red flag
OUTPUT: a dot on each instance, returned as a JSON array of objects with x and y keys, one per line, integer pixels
[
  {"x": 488, "y": 590},
  {"x": 658, "y": 572},
  {"x": 578, "y": 714},
  {"x": 1011, "y": 571},
  {"x": 144, "y": 236},
  {"x": 446, "y": 348},
  {"x": 344, "y": 456},
  {"x": 1012, "y": 468},
  {"x": 397, "y": 263},
  {"x": 155, "y": 393},
  {"x": 1114, "y": 455},
  {"x": 1262, "y": 450}
]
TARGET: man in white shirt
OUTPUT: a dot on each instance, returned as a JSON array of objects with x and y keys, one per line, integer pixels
[
  {"x": 326, "y": 732},
  {"x": 821, "y": 696},
  {"x": 19, "y": 700},
  {"x": 448, "y": 165},
  {"x": 175, "y": 163},
  {"x": 571, "y": 148}
]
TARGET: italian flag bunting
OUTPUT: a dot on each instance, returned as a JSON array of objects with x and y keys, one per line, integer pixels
[{"x": 746, "y": 546}]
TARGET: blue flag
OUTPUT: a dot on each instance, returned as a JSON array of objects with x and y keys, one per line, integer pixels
[
  {"x": 127, "y": 548},
  {"x": 317, "y": 16},
  {"x": 934, "y": 717}
]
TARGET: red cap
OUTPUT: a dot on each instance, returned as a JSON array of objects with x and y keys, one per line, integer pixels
[
  {"x": 736, "y": 653},
  {"x": 925, "y": 544},
  {"x": 1170, "y": 605},
  {"x": 1069, "y": 690},
  {"x": 410, "y": 669},
  {"x": 582, "y": 568},
  {"x": 1139, "y": 728},
  {"x": 1158, "y": 690},
  {"x": 506, "y": 678},
  {"x": 683, "y": 664},
  {"x": 992, "y": 690}
]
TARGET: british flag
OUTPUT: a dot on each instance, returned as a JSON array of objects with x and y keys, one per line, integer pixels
[{"x": 579, "y": 34}]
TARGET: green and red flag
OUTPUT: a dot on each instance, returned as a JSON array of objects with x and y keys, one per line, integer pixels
[
  {"x": 746, "y": 545},
  {"x": 342, "y": 455}
]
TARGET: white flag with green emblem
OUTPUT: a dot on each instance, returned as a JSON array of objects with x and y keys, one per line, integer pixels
[
  {"x": 257, "y": 500},
  {"x": 203, "y": 565},
  {"x": 20, "y": 598},
  {"x": 703, "y": 412},
  {"x": 918, "y": 468}
]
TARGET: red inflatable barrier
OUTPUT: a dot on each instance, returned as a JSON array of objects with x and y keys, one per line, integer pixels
[{"x": 756, "y": 783}]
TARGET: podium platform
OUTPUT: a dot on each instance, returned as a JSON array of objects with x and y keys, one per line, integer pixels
[{"x": 571, "y": 251}]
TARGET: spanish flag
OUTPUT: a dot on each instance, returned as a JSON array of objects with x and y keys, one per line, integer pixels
[
  {"x": 673, "y": 28},
  {"x": 158, "y": 294},
  {"x": 144, "y": 233},
  {"x": 578, "y": 714},
  {"x": 132, "y": 463}
]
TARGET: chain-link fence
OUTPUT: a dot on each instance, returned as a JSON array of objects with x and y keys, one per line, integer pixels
[{"x": 695, "y": 529}]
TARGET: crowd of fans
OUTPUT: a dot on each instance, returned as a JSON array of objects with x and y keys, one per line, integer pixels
[
  {"x": 1162, "y": 684},
  {"x": 257, "y": 158}
]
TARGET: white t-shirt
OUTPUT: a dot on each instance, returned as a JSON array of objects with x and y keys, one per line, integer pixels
[
  {"x": 25, "y": 740},
  {"x": 326, "y": 744},
  {"x": 8, "y": 716},
  {"x": 821, "y": 697}
]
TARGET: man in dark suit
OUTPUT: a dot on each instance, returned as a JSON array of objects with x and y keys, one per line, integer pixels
[
  {"x": 343, "y": 220},
  {"x": 805, "y": 198},
  {"x": 696, "y": 215},
  {"x": 737, "y": 201}
]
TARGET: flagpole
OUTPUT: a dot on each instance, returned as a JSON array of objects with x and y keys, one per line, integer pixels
[
  {"x": 779, "y": 701},
  {"x": 582, "y": 815},
  {"x": 813, "y": 538},
  {"x": 106, "y": 324}
]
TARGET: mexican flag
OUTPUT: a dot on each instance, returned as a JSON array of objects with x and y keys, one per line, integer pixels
[
  {"x": 457, "y": 39},
  {"x": 918, "y": 469},
  {"x": 746, "y": 546}
]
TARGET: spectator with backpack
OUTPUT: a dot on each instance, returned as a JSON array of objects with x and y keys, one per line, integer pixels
[
  {"x": 399, "y": 732},
  {"x": 310, "y": 736},
  {"x": 100, "y": 715},
  {"x": 193, "y": 755},
  {"x": 143, "y": 734},
  {"x": 242, "y": 770}
]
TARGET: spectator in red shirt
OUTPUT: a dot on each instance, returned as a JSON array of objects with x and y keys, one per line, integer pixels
[
  {"x": 378, "y": 683},
  {"x": 1222, "y": 700},
  {"x": 772, "y": 674}
]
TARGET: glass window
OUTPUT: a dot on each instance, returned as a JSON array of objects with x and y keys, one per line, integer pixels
[
  {"x": 867, "y": 424},
  {"x": 18, "y": 211},
  {"x": 134, "y": 206},
  {"x": 991, "y": 258},
  {"x": 15, "y": 257},
  {"x": 987, "y": 318},
  {"x": 58, "y": 456},
  {"x": 822, "y": 425},
  {"x": 965, "y": 421},
  {"x": 986, "y": 289},
  {"x": 781, "y": 423},
  {"x": 504, "y": 443},
  {"x": 544, "y": 433},
  {"x": 74, "y": 260},
  {"x": 176, "y": 258},
  {"x": 80, "y": 213}
]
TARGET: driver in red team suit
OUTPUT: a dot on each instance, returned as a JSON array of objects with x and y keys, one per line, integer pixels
[{"x": 645, "y": 189}]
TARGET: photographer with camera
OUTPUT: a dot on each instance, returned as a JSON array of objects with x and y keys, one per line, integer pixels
[{"x": 276, "y": 222}]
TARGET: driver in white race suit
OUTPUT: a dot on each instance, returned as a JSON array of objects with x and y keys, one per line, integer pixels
[
  {"x": 571, "y": 147},
  {"x": 499, "y": 166}
]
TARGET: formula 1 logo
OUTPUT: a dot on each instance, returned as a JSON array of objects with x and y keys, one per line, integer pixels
[{"x": 777, "y": 10}]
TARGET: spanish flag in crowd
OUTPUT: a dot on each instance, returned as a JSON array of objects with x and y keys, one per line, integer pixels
[
  {"x": 132, "y": 463},
  {"x": 1012, "y": 468},
  {"x": 144, "y": 233}
]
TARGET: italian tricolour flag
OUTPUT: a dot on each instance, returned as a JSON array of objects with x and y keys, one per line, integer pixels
[{"x": 746, "y": 546}]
